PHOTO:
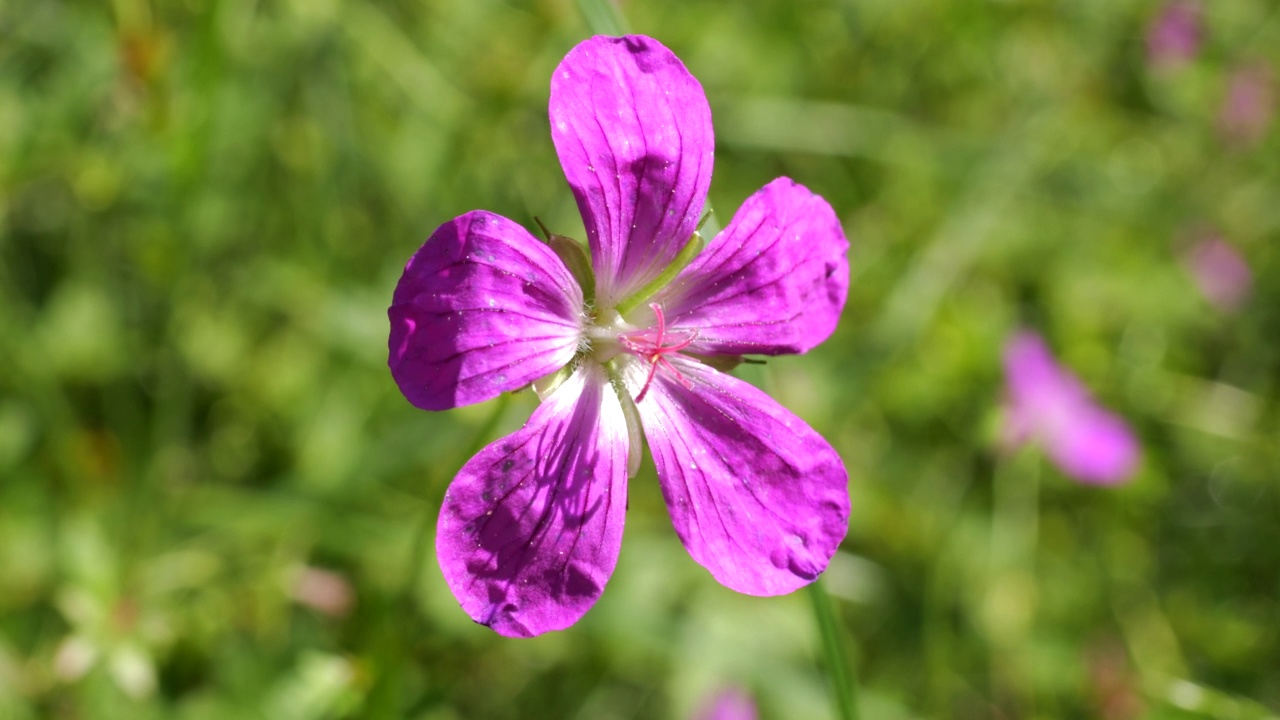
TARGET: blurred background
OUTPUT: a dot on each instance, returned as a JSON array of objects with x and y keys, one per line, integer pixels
[{"x": 214, "y": 502}]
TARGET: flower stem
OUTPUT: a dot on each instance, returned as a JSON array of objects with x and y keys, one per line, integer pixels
[
  {"x": 1010, "y": 605},
  {"x": 395, "y": 654},
  {"x": 603, "y": 17},
  {"x": 482, "y": 437},
  {"x": 844, "y": 686}
]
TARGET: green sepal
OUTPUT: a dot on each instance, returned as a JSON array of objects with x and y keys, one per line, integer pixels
[
  {"x": 544, "y": 386},
  {"x": 574, "y": 257},
  {"x": 635, "y": 432},
  {"x": 723, "y": 363},
  {"x": 680, "y": 262},
  {"x": 708, "y": 226}
]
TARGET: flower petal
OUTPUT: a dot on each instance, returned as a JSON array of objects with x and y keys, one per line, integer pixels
[
  {"x": 1085, "y": 441},
  {"x": 773, "y": 282},
  {"x": 732, "y": 703},
  {"x": 1036, "y": 382},
  {"x": 633, "y": 131},
  {"x": 1096, "y": 447},
  {"x": 531, "y": 528},
  {"x": 481, "y": 308},
  {"x": 755, "y": 494}
]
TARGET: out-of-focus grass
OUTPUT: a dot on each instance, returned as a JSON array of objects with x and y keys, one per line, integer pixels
[{"x": 204, "y": 208}]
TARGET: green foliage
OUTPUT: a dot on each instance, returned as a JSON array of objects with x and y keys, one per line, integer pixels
[{"x": 214, "y": 502}]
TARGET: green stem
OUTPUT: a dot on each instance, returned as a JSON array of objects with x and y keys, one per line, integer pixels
[
  {"x": 603, "y": 17},
  {"x": 844, "y": 685},
  {"x": 1011, "y": 592},
  {"x": 478, "y": 441},
  {"x": 395, "y": 652}
]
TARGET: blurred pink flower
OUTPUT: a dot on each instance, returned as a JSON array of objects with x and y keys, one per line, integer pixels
[
  {"x": 324, "y": 591},
  {"x": 1050, "y": 406},
  {"x": 1250, "y": 103},
  {"x": 1220, "y": 272},
  {"x": 1173, "y": 35},
  {"x": 730, "y": 704}
]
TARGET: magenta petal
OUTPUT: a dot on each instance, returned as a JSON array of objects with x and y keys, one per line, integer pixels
[
  {"x": 773, "y": 282},
  {"x": 531, "y": 527},
  {"x": 730, "y": 704},
  {"x": 1094, "y": 446},
  {"x": 756, "y": 496},
  {"x": 1084, "y": 440},
  {"x": 1173, "y": 36},
  {"x": 1035, "y": 380},
  {"x": 633, "y": 131},
  {"x": 482, "y": 308},
  {"x": 1221, "y": 273}
]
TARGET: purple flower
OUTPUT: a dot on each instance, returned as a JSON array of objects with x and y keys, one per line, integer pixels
[
  {"x": 626, "y": 345},
  {"x": 1246, "y": 112},
  {"x": 730, "y": 704},
  {"x": 1220, "y": 272},
  {"x": 1173, "y": 37},
  {"x": 1048, "y": 404}
]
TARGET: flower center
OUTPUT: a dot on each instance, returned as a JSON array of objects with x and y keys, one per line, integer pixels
[{"x": 653, "y": 345}]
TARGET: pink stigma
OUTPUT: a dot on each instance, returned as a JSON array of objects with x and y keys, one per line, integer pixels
[{"x": 654, "y": 344}]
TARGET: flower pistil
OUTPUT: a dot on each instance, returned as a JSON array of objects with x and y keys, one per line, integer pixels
[{"x": 653, "y": 345}]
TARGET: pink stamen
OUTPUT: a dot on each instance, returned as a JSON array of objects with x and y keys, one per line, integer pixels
[{"x": 654, "y": 344}]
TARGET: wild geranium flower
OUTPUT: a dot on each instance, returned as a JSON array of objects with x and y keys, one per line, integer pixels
[
  {"x": 732, "y": 703},
  {"x": 625, "y": 344},
  {"x": 1247, "y": 109},
  {"x": 1220, "y": 272},
  {"x": 1049, "y": 405},
  {"x": 1173, "y": 37}
]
